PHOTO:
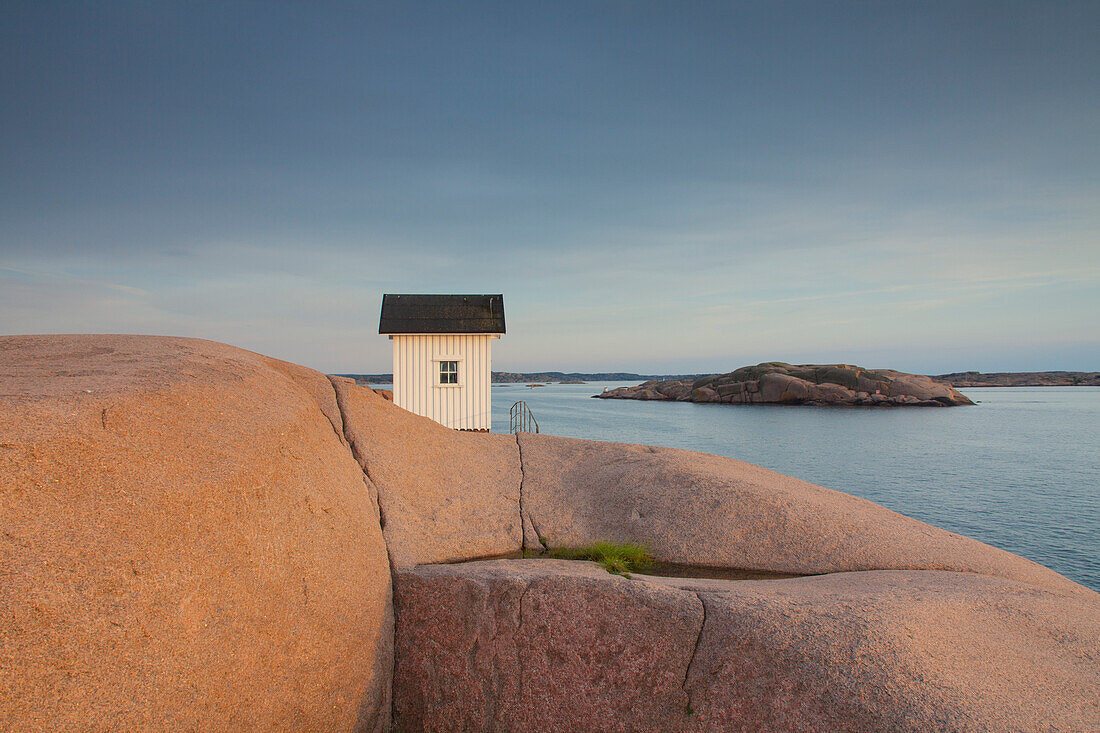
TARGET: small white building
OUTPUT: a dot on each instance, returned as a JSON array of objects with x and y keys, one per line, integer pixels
[{"x": 442, "y": 365}]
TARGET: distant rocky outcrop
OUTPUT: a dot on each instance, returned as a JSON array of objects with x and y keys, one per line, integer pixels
[
  {"x": 527, "y": 377},
  {"x": 777, "y": 383},
  {"x": 196, "y": 537},
  {"x": 1020, "y": 379}
]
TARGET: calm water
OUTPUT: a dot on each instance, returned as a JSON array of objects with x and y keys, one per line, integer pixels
[{"x": 1020, "y": 471}]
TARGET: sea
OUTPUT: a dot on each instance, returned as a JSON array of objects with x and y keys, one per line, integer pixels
[{"x": 1020, "y": 470}]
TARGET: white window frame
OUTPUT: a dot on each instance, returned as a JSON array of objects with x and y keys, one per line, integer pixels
[{"x": 437, "y": 365}]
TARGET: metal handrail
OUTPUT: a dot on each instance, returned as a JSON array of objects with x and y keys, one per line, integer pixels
[{"x": 521, "y": 419}]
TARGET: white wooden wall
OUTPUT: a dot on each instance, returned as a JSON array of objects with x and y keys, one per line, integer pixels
[{"x": 416, "y": 377}]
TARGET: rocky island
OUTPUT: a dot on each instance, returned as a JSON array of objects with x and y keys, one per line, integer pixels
[
  {"x": 198, "y": 537},
  {"x": 778, "y": 383}
]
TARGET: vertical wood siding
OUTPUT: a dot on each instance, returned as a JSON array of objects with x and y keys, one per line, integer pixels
[{"x": 415, "y": 374}]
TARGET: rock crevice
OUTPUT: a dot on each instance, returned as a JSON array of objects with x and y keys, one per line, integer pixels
[
  {"x": 532, "y": 536},
  {"x": 523, "y": 520},
  {"x": 446, "y": 495},
  {"x": 382, "y": 719},
  {"x": 694, "y": 652},
  {"x": 516, "y": 640},
  {"x": 360, "y": 457}
]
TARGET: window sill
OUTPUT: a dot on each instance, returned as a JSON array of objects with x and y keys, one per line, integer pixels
[{"x": 446, "y": 386}]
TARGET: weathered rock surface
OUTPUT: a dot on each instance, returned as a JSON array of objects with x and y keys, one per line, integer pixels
[
  {"x": 445, "y": 495},
  {"x": 552, "y": 645},
  {"x": 190, "y": 541},
  {"x": 512, "y": 645},
  {"x": 187, "y": 543},
  {"x": 700, "y": 509},
  {"x": 894, "y": 650},
  {"x": 776, "y": 383}
]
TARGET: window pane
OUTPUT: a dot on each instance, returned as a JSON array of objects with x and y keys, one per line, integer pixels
[{"x": 448, "y": 372}]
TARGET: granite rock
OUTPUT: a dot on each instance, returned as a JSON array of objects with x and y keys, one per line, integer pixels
[
  {"x": 514, "y": 645},
  {"x": 187, "y": 543},
  {"x": 445, "y": 494},
  {"x": 192, "y": 541},
  {"x": 893, "y": 650},
  {"x": 778, "y": 383},
  {"x": 699, "y": 509}
]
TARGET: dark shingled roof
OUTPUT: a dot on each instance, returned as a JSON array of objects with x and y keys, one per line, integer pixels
[{"x": 442, "y": 314}]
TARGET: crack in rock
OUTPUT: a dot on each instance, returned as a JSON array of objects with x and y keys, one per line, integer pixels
[
  {"x": 524, "y": 517},
  {"x": 374, "y": 492},
  {"x": 694, "y": 652},
  {"x": 516, "y": 639},
  {"x": 538, "y": 534}
]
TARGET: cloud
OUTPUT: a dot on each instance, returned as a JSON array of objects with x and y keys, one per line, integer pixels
[{"x": 79, "y": 281}]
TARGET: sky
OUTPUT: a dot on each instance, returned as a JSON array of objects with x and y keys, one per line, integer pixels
[{"x": 671, "y": 187}]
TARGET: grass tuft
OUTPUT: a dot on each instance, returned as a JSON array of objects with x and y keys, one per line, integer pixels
[{"x": 618, "y": 558}]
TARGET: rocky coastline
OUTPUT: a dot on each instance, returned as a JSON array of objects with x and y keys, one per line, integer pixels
[
  {"x": 1020, "y": 379},
  {"x": 527, "y": 377},
  {"x": 198, "y": 537},
  {"x": 778, "y": 383}
]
